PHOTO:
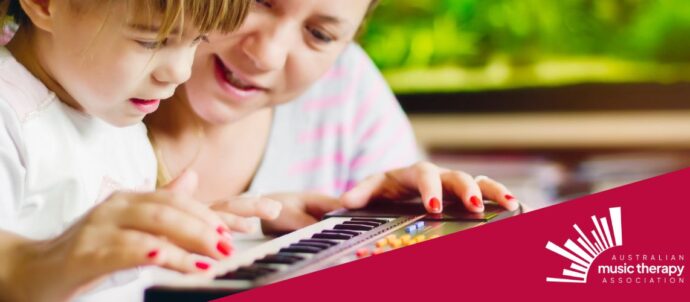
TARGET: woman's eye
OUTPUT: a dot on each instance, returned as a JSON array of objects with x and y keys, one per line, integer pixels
[
  {"x": 264, "y": 3},
  {"x": 320, "y": 35}
]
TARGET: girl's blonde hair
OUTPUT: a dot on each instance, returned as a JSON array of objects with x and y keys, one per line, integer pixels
[{"x": 205, "y": 15}]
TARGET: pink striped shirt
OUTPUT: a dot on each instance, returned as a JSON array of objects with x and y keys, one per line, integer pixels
[{"x": 347, "y": 126}]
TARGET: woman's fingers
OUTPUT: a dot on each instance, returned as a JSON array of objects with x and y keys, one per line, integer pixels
[
  {"x": 465, "y": 188},
  {"x": 497, "y": 192},
  {"x": 262, "y": 207},
  {"x": 363, "y": 192},
  {"x": 427, "y": 176}
]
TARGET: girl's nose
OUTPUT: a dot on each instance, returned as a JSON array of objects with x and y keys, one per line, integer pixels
[{"x": 176, "y": 67}]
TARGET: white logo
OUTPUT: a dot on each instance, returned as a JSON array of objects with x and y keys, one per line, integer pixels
[{"x": 583, "y": 259}]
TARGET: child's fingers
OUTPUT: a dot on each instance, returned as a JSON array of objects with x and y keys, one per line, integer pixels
[
  {"x": 497, "y": 192},
  {"x": 264, "y": 208},
  {"x": 363, "y": 192},
  {"x": 133, "y": 248},
  {"x": 179, "y": 227},
  {"x": 237, "y": 223},
  {"x": 187, "y": 205},
  {"x": 465, "y": 188}
]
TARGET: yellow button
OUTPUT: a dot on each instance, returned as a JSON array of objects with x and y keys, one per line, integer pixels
[
  {"x": 420, "y": 238},
  {"x": 405, "y": 237},
  {"x": 381, "y": 243}
]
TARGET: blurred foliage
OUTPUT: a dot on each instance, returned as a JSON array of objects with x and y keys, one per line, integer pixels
[{"x": 431, "y": 45}]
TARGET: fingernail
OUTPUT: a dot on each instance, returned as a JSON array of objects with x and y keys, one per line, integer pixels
[
  {"x": 509, "y": 197},
  {"x": 202, "y": 265},
  {"x": 224, "y": 248},
  {"x": 476, "y": 202},
  {"x": 152, "y": 254},
  {"x": 224, "y": 232},
  {"x": 221, "y": 230},
  {"x": 273, "y": 208},
  {"x": 435, "y": 205}
]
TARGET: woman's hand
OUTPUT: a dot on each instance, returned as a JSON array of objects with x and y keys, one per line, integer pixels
[
  {"x": 432, "y": 183},
  {"x": 165, "y": 228}
]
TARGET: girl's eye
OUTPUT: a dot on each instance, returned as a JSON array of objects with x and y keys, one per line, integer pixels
[
  {"x": 320, "y": 35},
  {"x": 152, "y": 44},
  {"x": 264, "y": 3},
  {"x": 199, "y": 39}
]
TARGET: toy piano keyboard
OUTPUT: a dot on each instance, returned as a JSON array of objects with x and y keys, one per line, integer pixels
[{"x": 342, "y": 236}]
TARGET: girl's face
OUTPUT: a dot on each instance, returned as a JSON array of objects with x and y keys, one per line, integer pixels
[
  {"x": 282, "y": 48},
  {"x": 109, "y": 63}
]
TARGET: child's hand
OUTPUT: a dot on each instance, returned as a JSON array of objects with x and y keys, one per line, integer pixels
[
  {"x": 431, "y": 182},
  {"x": 299, "y": 210},
  {"x": 235, "y": 211},
  {"x": 164, "y": 228}
]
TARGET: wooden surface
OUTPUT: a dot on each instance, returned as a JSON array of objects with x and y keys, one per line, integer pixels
[{"x": 654, "y": 129}]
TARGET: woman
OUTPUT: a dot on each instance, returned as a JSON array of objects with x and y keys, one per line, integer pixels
[{"x": 289, "y": 107}]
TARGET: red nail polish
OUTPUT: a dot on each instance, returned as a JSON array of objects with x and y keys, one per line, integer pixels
[
  {"x": 224, "y": 248},
  {"x": 202, "y": 265},
  {"x": 221, "y": 230},
  {"x": 152, "y": 254},
  {"x": 509, "y": 197},
  {"x": 476, "y": 202},
  {"x": 435, "y": 204}
]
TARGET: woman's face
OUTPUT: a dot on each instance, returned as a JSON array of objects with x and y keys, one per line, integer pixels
[{"x": 283, "y": 47}]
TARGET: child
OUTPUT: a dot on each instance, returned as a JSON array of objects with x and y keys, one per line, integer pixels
[
  {"x": 75, "y": 82},
  {"x": 289, "y": 103}
]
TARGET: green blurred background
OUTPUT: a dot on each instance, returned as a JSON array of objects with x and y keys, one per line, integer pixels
[{"x": 472, "y": 45}]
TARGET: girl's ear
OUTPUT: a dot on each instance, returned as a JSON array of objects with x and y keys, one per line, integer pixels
[{"x": 38, "y": 11}]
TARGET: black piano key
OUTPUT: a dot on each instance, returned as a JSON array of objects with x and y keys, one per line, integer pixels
[
  {"x": 354, "y": 227},
  {"x": 331, "y": 236},
  {"x": 381, "y": 221},
  {"x": 346, "y": 232},
  {"x": 371, "y": 224},
  {"x": 321, "y": 246},
  {"x": 248, "y": 273},
  {"x": 300, "y": 249},
  {"x": 280, "y": 259},
  {"x": 319, "y": 241}
]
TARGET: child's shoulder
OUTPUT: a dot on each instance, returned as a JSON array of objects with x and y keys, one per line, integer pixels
[{"x": 19, "y": 89}]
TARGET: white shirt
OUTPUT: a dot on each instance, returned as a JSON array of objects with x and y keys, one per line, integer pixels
[{"x": 57, "y": 163}]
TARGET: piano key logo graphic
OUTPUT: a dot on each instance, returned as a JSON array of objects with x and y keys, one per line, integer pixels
[{"x": 587, "y": 249}]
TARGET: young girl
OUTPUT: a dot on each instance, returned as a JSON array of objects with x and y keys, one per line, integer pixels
[
  {"x": 75, "y": 82},
  {"x": 289, "y": 103}
]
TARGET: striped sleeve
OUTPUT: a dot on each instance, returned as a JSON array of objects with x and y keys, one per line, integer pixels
[{"x": 383, "y": 136}]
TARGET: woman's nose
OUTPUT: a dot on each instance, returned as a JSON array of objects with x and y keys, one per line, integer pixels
[{"x": 268, "y": 48}]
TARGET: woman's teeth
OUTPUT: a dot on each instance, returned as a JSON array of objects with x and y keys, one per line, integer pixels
[{"x": 236, "y": 82}]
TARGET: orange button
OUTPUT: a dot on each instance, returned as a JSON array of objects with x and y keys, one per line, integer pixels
[{"x": 363, "y": 252}]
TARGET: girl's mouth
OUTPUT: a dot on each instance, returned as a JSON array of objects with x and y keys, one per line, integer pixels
[{"x": 145, "y": 106}]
